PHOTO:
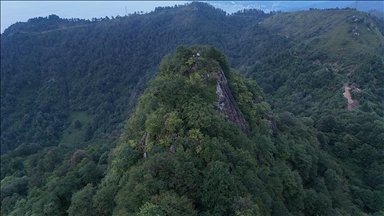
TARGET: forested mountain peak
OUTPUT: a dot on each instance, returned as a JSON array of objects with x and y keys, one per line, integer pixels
[
  {"x": 308, "y": 141},
  {"x": 182, "y": 98},
  {"x": 179, "y": 154}
]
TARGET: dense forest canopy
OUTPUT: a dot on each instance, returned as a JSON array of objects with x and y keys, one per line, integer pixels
[{"x": 99, "y": 118}]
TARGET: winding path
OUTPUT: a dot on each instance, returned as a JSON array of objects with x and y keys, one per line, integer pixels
[{"x": 347, "y": 95}]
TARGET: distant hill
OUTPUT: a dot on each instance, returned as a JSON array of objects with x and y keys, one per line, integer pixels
[
  {"x": 292, "y": 6},
  {"x": 76, "y": 139},
  {"x": 344, "y": 35},
  {"x": 364, "y": 6},
  {"x": 332, "y": 49}
]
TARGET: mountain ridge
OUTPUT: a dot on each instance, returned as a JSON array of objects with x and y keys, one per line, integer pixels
[{"x": 66, "y": 95}]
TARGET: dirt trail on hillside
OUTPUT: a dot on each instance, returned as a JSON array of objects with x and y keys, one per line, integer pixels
[{"x": 347, "y": 95}]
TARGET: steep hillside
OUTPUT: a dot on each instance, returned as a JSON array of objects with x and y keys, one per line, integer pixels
[
  {"x": 345, "y": 34},
  {"x": 329, "y": 49},
  {"x": 333, "y": 75},
  {"x": 66, "y": 92},
  {"x": 203, "y": 142},
  {"x": 68, "y": 87},
  {"x": 99, "y": 68}
]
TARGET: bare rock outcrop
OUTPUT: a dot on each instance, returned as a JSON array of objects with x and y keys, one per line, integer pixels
[{"x": 227, "y": 103}]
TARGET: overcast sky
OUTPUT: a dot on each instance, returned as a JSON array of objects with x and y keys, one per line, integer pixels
[{"x": 21, "y": 11}]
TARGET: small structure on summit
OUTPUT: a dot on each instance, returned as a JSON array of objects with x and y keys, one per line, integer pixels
[{"x": 197, "y": 55}]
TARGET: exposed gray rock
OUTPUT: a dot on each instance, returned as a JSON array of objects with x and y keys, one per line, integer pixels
[
  {"x": 172, "y": 149},
  {"x": 227, "y": 103}
]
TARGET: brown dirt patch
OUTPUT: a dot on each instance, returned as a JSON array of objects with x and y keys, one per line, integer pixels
[{"x": 347, "y": 94}]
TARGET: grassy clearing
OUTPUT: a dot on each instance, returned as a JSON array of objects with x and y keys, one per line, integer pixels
[{"x": 72, "y": 135}]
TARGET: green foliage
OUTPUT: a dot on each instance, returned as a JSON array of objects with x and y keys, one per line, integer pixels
[
  {"x": 168, "y": 203},
  {"x": 89, "y": 172},
  {"x": 68, "y": 86},
  {"x": 307, "y": 79},
  {"x": 213, "y": 166},
  {"x": 218, "y": 189},
  {"x": 149, "y": 209},
  {"x": 81, "y": 201},
  {"x": 102, "y": 202}
]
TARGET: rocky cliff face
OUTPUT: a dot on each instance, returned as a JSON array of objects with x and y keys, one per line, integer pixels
[{"x": 227, "y": 103}]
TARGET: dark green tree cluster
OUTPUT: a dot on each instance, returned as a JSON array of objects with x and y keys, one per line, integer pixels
[
  {"x": 178, "y": 153},
  {"x": 68, "y": 86},
  {"x": 310, "y": 83},
  {"x": 99, "y": 69},
  {"x": 57, "y": 73}
]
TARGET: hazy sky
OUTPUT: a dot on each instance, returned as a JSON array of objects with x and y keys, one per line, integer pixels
[{"x": 21, "y": 11}]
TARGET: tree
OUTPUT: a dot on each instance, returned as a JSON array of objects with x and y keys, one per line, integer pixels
[
  {"x": 77, "y": 124},
  {"x": 172, "y": 204},
  {"x": 81, "y": 202},
  {"x": 102, "y": 202},
  {"x": 149, "y": 209},
  {"x": 218, "y": 190},
  {"x": 364, "y": 198},
  {"x": 341, "y": 149},
  {"x": 89, "y": 172}
]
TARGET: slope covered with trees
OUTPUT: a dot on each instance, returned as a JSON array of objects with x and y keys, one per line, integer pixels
[
  {"x": 69, "y": 85},
  {"x": 82, "y": 71},
  {"x": 340, "y": 56},
  {"x": 179, "y": 154}
]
